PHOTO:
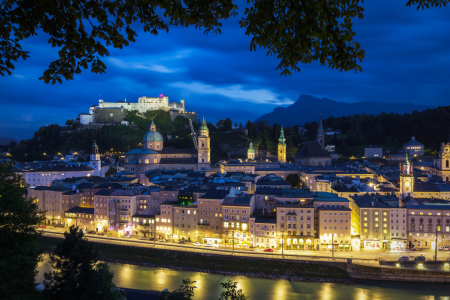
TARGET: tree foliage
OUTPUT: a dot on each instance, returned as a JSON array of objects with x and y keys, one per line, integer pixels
[
  {"x": 294, "y": 180},
  {"x": 78, "y": 274},
  {"x": 19, "y": 251},
  {"x": 185, "y": 292},
  {"x": 231, "y": 292},
  {"x": 387, "y": 129},
  {"x": 111, "y": 171},
  {"x": 295, "y": 31}
]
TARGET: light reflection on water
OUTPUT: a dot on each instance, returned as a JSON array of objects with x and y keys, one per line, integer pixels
[{"x": 208, "y": 286}]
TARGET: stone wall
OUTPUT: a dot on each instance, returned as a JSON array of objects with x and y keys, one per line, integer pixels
[
  {"x": 187, "y": 115},
  {"x": 397, "y": 274}
]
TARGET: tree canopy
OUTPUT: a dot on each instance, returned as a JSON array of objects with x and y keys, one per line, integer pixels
[
  {"x": 78, "y": 272},
  {"x": 19, "y": 250},
  {"x": 295, "y": 31}
]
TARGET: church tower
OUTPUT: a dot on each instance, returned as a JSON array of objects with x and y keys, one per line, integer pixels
[
  {"x": 251, "y": 152},
  {"x": 282, "y": 147},
  {"x": 406, "y": 180},
  {"x": 321, "y": 134},
  {"x": 204, "y": 151},
  {"x": 94, "y": 161},
  {"x": 444, "y": 156}
]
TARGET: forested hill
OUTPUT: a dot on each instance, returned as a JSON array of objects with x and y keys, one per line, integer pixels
[
  {"x": 53, "y": 139},
  {"x": 431, "y": 127},
  {"x": 307, "y": 109}
]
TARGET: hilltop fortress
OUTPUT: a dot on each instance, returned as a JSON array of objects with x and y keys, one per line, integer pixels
[{"x": 114, "y": 113}]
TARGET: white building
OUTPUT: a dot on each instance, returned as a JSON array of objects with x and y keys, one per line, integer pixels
[
  {"x": 373, "y": 151},
  {"x": 398, "y": 228},
  {"x": 43, "y": 176},
  {"x": 413, "y": 147}
]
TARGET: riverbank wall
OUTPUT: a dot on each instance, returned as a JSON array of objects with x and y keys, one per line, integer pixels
[{"x": 397, "y": 274}]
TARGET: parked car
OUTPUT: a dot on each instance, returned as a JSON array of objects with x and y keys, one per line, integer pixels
[
  {"x": 208, "y": 245},
  {"x": 91, "y": 232},
  {"x": 419, "y": 258},
  {"x": 143, "y": 238},
  {"x": 444, "y": 248},
  {"x": 126, "y": 236},
  {"x": 163, "y": 241},
  {"x": 196, "y": 244},
  {"x": 100, "y": 233},
  {"x": 181, "y": 242},
  {"x": 151, "y": 239},
  {"x": 268, "y": 250},
  {"x": 42, "y": 226},
  {"x": 403, "y": 258}
]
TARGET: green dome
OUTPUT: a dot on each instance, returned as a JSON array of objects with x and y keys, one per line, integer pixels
[
  {"x": 251, "y": 150},
  {"x": 153, "y": 136}
]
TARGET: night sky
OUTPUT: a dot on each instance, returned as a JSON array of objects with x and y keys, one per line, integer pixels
[{"x": 407, "y": 60}]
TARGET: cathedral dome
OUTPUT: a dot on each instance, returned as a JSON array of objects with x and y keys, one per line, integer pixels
[{"x": 153, "y": 136}]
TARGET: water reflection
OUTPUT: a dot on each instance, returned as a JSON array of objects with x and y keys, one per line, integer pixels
[{"x": 208, "y": 286}]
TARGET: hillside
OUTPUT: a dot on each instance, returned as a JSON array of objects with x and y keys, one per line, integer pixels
[{"x": 307, "y": 109}]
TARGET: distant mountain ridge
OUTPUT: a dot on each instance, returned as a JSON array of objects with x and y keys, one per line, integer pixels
[
  {"x": 308, "y": 108},
  {"x": 5, "y": 141}
]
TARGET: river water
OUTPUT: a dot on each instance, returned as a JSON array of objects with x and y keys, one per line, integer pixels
[{"x": 208, "y": 286}]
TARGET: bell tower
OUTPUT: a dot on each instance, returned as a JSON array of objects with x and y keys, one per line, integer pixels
[
  {"x": 406, "y": 180},
  {"x": 94, "y": 161},
  {"x": 204, "y": 151},
  {"x": 321, "y": 134},
  {"x": 282, "y": 147},
  {"x": 251, "y": 152}
]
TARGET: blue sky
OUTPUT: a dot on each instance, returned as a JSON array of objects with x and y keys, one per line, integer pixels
[{"x": 407, "y": 60}]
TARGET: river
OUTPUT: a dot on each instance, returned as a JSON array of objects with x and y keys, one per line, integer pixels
[{"x": 208, "y": 286}]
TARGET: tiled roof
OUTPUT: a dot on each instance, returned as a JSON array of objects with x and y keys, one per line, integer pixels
[
  {"x": 178, "y": 160},
  {"x": 104, "y": 192},
  {"x": 215, "y": 194},
  {"x": 237, "y": 201},
  {"x": 312, "y": 149},
  {"x": 170, "y": 150}
]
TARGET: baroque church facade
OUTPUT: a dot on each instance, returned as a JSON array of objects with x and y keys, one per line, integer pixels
[
  {"x": 154, "y": 155},
  {"x": 313, "y": 153}
]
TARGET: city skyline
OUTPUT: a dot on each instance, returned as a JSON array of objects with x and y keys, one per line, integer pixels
[{"x": 219, "y": 77}]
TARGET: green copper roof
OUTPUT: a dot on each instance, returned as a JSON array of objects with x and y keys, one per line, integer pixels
[
  {"x": 282, "y": 140},
  {"x": 250, "y": 149},
  {"x": 204, "y": 126}
]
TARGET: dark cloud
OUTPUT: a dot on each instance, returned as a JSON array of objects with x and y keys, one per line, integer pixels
[{"x": 407, "y": 60}]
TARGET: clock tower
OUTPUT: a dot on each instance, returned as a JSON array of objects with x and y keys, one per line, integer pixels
[
  {"x": 282, "y": 147},
  {"x": 406, "y": 180}
]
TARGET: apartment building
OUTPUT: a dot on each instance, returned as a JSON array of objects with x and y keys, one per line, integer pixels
[
  {"x": 185, "y": 222},
  {"x": 144, "y": 225},
  {"x": 236, "y": 221},
  {"x": 375, "y": 217},
  {"x": 264, "y": 232},
  {"x": 164, "y": 221},
  {"x": 210, "y": 219},
  {"x": 427, "y": 223},
  {"x": 334, "y": 230},
  {"x": 102, "y": 200},
  {"x": 398, "y": 228},
  {"x": 295, "y": 220},
  {"x": 83, "y": 217},
  {"x": 125, "y": 206},
  {"x": 265, "y": 198}
]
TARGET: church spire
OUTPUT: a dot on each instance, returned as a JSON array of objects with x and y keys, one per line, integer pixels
[
  {"x": 282, "y": 140},
  {"x": 152, "y": 126},
  {"x": 320, "y": 123}
]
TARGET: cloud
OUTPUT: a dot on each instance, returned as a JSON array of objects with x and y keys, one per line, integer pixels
[
  {"x": 130, "y": 65},
  {"x": 154, "y": 68},
  {"x": 26, "y": 117},
  {"x": 234, "y": 92}
]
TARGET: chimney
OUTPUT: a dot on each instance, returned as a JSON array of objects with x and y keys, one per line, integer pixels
[{"x": 373, "y": 204}]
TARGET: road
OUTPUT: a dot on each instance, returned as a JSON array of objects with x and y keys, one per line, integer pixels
[{"x": 365, "y": 256}]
